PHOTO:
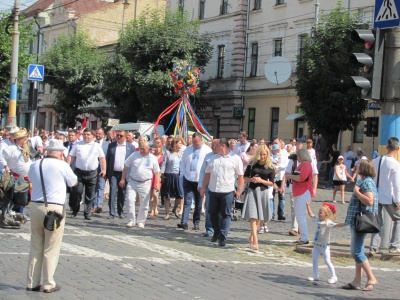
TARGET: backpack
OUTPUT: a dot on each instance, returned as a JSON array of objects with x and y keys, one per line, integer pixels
[{"x": 6, "y": 189}]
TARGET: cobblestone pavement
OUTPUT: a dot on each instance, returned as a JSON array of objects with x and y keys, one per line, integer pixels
[{"x": 102, "y": 259}]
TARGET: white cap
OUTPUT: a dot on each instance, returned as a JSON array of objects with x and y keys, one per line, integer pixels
[{"x": 14, "y": 129}]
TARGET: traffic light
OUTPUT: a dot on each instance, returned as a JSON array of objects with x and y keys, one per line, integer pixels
[
  {"x": 374, "y": 126},
  {"x": 368, "y": 127},
  {"x": 370, "y": 62}
]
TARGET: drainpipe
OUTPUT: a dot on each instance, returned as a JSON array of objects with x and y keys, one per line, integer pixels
[{"x": 245, "y": 59}]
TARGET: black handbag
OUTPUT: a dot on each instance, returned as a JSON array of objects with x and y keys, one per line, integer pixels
[
  {"x": 367, "y": 222},
  {"x": 52, "y": 220}
]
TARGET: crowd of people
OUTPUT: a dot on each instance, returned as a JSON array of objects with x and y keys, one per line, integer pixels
[{"x": 208, "y": 178}]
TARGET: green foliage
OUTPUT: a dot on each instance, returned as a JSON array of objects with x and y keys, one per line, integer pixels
[
  {"x": 137, "y": 81},
  {"x": 24, "y": 58},
  {"x": 74, "y": 67},
  {"x": 325, "y": 89}
]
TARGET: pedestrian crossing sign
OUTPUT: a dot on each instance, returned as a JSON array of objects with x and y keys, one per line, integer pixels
[
  {"x": 35, "y": 72},
  {"x": 387, "y": 14}
]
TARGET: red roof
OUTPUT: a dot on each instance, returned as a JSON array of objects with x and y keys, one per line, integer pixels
[{"x": 80, "y": 6}]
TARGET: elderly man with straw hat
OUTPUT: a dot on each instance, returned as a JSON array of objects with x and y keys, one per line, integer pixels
[{"x": 15, "y": 159}]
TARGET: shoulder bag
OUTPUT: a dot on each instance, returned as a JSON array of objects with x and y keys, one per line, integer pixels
[
  {"x": 53, "y": 219},
  {"x": 367, "y": 222}
]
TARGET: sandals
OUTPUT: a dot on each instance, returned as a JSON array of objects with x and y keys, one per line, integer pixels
[
  {"x": 369, "y": 287},
  {"x": 349, "y": 286}
]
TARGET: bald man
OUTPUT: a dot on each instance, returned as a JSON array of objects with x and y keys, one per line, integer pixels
[{"x": 141, "y": 166}]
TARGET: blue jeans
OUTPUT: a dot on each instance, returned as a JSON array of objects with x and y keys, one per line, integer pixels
[
  {"x": 116, "y": 195},
  {"x": 99, "y": 196},
  {"x": 330, "y": 181},
  {"x": 357, "y": 245},
  {"x": 208, "y": 224},
  {"x": 281, "y": 204},
  {"x": 220, "y": 213},
  {"x": 191, "y": 192}
]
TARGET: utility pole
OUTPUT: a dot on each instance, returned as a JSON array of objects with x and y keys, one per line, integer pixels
[
  {"x": 316, "y": 12},
  {"x": 12, "y": 104},
  {"x": 390, "y": 108}
]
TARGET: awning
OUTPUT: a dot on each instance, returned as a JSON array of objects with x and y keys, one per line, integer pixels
[{"x": 294, "y": 116}]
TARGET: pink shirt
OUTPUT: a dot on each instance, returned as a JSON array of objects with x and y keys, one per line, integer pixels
[{"x": 306, "y": 180}]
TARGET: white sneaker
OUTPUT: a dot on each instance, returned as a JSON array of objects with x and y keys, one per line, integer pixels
[
  {"x": 396, "y": 250},
  {"x": 130, "y": 224},
  {"x": 266, "y": 229},
  {"x": 261, "y": 230},
  {"x": 332, "y": 280},
  {"x": 313, "y": 278},
  {"x": 140, "y": 225}
]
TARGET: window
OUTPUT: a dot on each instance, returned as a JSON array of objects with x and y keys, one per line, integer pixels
[
  {"x": 201, "y": 9},
  {"x": 280, "y": 2},
  {"x": 358, "y": 136},
  {"x": 257, "y": 4},
  {"x": 274, "y": 122},
  {"x": 302, "y": 44},
  {"x": 254, "y": 59},
  {"x": 221, "y": 61},
  {"x": 224, "y": 7},
  {"x": 252, "y": 123},
  {"x": 278, "y": 47},
  {"x": 93, "y": 125}
]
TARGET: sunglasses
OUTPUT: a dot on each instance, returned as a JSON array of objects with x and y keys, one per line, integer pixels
[{"x": 120, "y": 135}]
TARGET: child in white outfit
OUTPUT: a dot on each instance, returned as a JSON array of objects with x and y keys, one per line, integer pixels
[{"x": 322, "y": 238}]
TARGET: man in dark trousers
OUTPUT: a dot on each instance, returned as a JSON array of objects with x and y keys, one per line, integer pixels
[
  {"x": 117, "y": 153},
  {"x": 101, "y": 181}
]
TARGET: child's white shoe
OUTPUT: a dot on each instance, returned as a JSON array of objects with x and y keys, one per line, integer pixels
[
  {"x": 313, "y": 278},
  {"x": 332, "y": 280}
]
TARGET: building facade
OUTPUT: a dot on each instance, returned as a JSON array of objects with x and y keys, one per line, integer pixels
[
  {"x": 248, "y": 35},
  {"x": 102, "y": 20}
]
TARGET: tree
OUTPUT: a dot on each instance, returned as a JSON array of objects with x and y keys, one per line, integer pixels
[
  {"x": 74, "y": 67},
  {"x": 24, "y": 58},
  {"x": 137, "y": 81},
  {"x": 324, "y": 87}
]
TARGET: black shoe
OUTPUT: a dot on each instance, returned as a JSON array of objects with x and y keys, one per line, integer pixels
[
  {"x": 121, "y": 216},
  {"x": 34, "y": 289},
  {"x": 183, "y": 225},
  {"x": 110, "y": 217},
  {"x": 88, "y": 218},
  {"x": 281, "y": 218},
  {"x": 221, "y": 243},
  {"x": 196, "y": 227},
  {"x": 54, "y": 289},
  {"x": 214, "y": 238}
]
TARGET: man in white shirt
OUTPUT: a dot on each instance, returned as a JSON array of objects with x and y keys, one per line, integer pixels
[
  {"x": 130, "y": 139},
  {"x": 387, "y": 181},
  {"x": 88, "y": 154},
  {"x": 46, "y": 245},
  {"x": 15, "y": 159},
  {"x": 243, "y": 144},
  {"x": 101, "y": 180},
  {"x": 116, "y": 155},
  {"x": 349, "y": 157},
  {"x": 141, "y": 166},
  {"x": 35, "y": 147},
  {"x": 280, "y": 168},
  {"x": 219, "y": 177},
  {"x": 191, "y": 163}
]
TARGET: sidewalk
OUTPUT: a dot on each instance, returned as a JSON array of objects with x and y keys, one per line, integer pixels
[{"x": 341, "y": 247}]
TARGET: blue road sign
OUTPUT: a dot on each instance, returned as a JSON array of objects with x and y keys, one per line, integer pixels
[
  {"x": 35, "y": 72},
  {"x": 374, "y": 106},
  {"x": 387, "y": 14}
]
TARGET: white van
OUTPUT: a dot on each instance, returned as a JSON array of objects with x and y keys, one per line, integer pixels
[{"x": 142, "y": 127}]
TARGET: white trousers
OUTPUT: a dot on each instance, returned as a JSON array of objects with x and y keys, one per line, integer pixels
[
  {"x": 142, "y": 189},
  {"x": 326, "y": 254},
  {"x": 300, "y": 209}
]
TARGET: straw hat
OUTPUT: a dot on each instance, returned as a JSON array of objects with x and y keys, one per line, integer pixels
[
  {"x": 20, "y": 134},
  {"x": 55, "y": 145}
]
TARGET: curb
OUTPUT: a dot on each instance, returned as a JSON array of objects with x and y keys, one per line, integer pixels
[{"x": 303, "y": 249}]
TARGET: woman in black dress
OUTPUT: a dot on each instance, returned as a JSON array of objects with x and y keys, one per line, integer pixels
[{"x": 260, "y": 175}]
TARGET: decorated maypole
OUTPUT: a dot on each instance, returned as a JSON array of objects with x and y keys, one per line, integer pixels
[{"x": 185, "y": 78}]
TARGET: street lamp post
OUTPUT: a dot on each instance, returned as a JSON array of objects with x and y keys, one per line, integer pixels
[{"x": 126, "y": 5}]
